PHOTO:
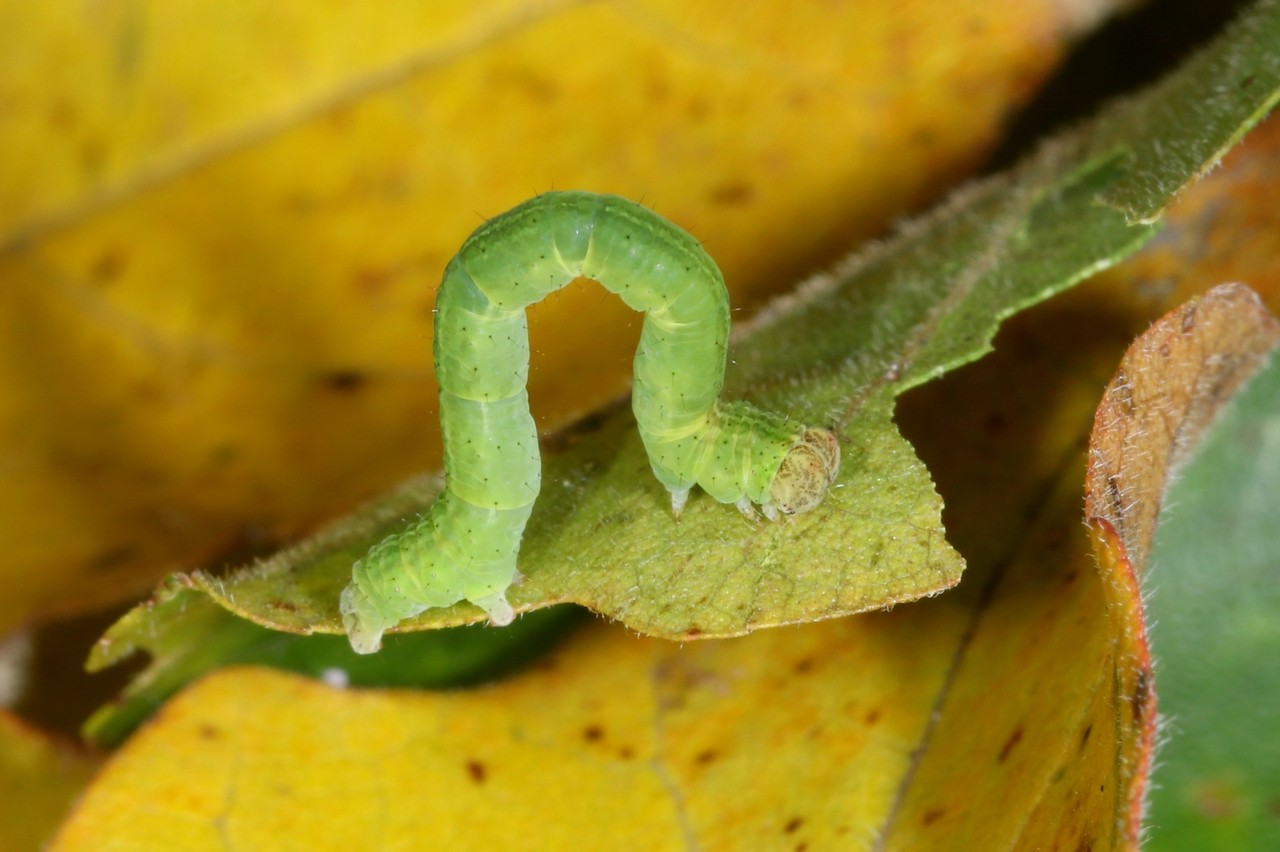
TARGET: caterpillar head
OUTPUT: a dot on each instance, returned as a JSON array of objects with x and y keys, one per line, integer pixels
[{"x": 807, "y": 471}]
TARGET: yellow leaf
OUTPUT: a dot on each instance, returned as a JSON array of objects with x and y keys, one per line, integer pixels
[
  {"x": 822, "y": 736},
  {"x": 1030, "y": 750},
  {"x": 614, "y": 742}
]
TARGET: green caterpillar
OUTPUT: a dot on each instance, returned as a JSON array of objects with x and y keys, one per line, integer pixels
[{"x": 466, "y": 546}]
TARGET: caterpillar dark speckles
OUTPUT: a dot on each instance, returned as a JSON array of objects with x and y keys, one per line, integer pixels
[{"x": 465, "y": 547}]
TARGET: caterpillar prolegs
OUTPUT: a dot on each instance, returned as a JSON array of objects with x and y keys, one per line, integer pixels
[{"x": 465, "y": 547}]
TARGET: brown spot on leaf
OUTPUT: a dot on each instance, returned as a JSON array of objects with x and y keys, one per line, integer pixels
[
  {"x": 593, "y": 733},
  {"x": 996, "y": 424},
  {"x": 478, "y": 771},
  {"x": 1115, "y": 497},
  {"x": 798, "y": 98},
  {"x": 110, "y": 560},
  {"x": 732, "y": 194},
  {"x": 872, "y": 717},
  {"x": 1141, "y": 694},
  {"x": 109, "y": 264},
  {"x": 1189, "y": 317},
  {"x": 924, "y": 137},
  {"x": 370, "y": 280},
  {"x": 803, "y": 665},
  {"x": 223, "y": 454},
  {"x": 344, "y": 381},
  {"x": 793, "y": 825},
  {"x": 1007, "y": 748},
  {"x": 932, "y": 815},
  {"x": 208, "y": 732},
  {"x": 706, "y": 756}
]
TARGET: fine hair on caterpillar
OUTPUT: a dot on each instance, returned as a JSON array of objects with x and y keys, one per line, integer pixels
[{"x": 465, "y": 547}]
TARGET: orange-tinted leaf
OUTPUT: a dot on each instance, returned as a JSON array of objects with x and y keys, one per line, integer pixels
[{"x": 1172, "y": 383}]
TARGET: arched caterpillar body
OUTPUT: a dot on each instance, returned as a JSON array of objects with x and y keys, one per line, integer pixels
[{"x": 466, "y": 545}]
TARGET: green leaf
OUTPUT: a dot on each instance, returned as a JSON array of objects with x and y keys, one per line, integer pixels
[
  {"x": 1213, "y": 600},
  {"x": 837, "y": 352},
  {"x": 601, "y": 535},
  {"x": 1174, "y": 133}
]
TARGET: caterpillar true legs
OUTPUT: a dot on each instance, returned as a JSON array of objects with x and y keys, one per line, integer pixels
[{"x": 466, "y": 545}]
